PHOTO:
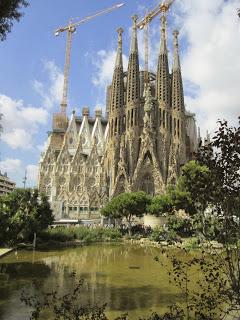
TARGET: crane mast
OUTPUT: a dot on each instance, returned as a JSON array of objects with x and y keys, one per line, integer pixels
[
  {"x": 70, "y": 29},
  {"x": 144, "y": 24}
]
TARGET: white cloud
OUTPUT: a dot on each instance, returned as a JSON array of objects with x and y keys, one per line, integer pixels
[
  {"x": 211, "y": 60},
  {"x": 52, "y": 91},
  {"x": 104, "y": 64},
  {"x": 32, "y": 174},
  {"x": 15, "y": 170},
  {"x": 11, "y": 166},
  {"x": 20, "y": 122}
]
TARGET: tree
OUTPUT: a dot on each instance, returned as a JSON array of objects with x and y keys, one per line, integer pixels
[
  {"x": 213, "y": 182},
  {"x": 127, "y": 205},
  {"x": 25, "y": 212},
  {"x": 10, "y": 11}
]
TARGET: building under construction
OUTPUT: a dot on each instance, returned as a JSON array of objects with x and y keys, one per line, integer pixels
[{"x": 140, "y": 144}]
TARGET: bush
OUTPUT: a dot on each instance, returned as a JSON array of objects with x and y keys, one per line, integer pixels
[
  {"x": 183, "y": 227},
  {"x": 192, "y": 243},
  {"x": 85, "y": 234},
  {"x": 159, "y": 234},
  {"x": 58, "y": 234}
]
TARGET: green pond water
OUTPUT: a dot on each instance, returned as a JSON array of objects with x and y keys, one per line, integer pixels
[{"x": 127, "y": 278}]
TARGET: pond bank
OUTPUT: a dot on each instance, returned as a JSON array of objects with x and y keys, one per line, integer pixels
[{"x": 5, "y": 251}]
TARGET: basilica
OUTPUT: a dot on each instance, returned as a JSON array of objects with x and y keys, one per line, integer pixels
[{"x": 140, "y": 143}]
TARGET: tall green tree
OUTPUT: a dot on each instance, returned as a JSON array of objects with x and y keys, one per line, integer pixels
[
  {"x": 24, "y": 212},
  {"x": 10, "y": 10},
  {"x": 127, "y": 205}
]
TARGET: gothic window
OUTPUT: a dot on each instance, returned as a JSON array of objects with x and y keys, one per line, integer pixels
[
  {"x": 164, "y": 118},
  {"x": 178, "y": 128}
]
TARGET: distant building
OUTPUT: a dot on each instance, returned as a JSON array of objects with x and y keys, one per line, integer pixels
[{"x": 6, "y": 185}]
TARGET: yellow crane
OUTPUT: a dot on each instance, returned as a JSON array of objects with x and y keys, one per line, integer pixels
[
  {"x": 144, "y": 24},
  {"x": 70, "y": 29}
]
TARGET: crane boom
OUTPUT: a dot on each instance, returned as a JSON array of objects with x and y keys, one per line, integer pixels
[
  {"x": 144, "y": 24},
  {"x": 70, "y": 29}
]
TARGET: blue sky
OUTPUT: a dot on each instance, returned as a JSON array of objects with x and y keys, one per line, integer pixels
[{"x": 32, "y": 60}]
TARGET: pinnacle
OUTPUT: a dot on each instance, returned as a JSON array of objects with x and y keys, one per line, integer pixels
[
  {"x": 176, "y": 60},
  {"x": 119, "y": 62},
  {"x": 134, "y": 43}
]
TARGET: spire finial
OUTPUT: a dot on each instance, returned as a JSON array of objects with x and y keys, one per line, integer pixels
[
  {"x": 163, "y": 47},
  {"x": 119, "y": 50},
  {"x": 175, "y": 35},
  {"x": 120, "y": 32},
  {"x": 134, "y": 44},
  {"x": 176, "y": 61},
  {"x": 135, "y": 19}
]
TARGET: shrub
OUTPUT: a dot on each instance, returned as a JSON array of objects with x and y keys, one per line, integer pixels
[
  {"x": 192, "y": 243},
  {"x": 85, "y": 234},
  {"x": 159, "y": 234},
  {"x": 183, "y": 227}
]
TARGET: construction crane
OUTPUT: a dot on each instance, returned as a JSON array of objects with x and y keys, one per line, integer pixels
[
  {"x": 144, "y": 24},
  {"x": 70, "y": 29}
]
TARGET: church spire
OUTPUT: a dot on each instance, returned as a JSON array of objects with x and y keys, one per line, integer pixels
[
  {"x": 134, "y": 42},
  {"x": 117, "y": 91},
  {"x": 133, "y": 81},
  {"x": 119, "y": 62},
  {"x": 163, "y": 79},
  {"x": 176, "y": 60},
  {"x": 163, "y": 46},
  {"x": 177, "y": 85}
]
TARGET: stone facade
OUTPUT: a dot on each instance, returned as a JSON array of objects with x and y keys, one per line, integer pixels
[{"x": 142, "y": 143}]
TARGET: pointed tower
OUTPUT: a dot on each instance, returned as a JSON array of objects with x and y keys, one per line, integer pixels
[
  {"x": 133, "y": 79},
  {"x": 163, "y": 95},
  {"x": 116, "y": 118},
  {"x": 178, "y": 108},
  {"x": 178, "y": 146},
  {"x": 163, "y": 79},
  {"x": 117, "y": 92}
]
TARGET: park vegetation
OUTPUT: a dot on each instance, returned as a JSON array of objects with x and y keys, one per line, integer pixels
[{"x": 23, "y": 213}]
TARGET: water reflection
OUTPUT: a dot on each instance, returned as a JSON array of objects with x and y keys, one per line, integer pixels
[{"x": 105, "y": 269}]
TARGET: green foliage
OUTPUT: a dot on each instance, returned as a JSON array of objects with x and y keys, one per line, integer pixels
[
  {"x": 160, "y": 234},
  {"x": 192, "y": 243},
  {"x": 10, "y": 11},
  {"x": 183, "y": 227},
  {"x": 160, "y": 204},
  {"x": 87, "y": 235},
  {"x": 24, "y": 212},
  {"x": 197, "y": 181},
  {"x": 222, "y": 157},
  {"x": 127, "y": 205},
  {"x": 182, "y": 196}
]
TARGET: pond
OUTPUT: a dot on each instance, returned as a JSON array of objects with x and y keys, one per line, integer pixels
[{"x": 125, "y": 277}]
